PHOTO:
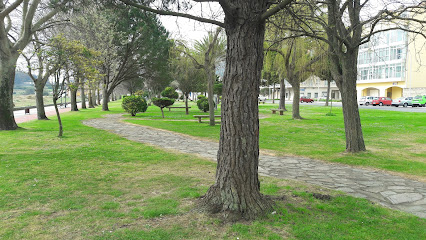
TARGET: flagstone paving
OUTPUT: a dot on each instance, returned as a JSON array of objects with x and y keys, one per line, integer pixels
[{"x": 386, "y": 189}]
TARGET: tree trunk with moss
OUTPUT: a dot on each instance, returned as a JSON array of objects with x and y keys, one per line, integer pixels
[{"x": 7, "y": 80}]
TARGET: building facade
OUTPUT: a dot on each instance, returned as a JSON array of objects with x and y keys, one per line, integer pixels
[
  {"x": 390, "y": 65},
  {"x": 313, "y": 87}
]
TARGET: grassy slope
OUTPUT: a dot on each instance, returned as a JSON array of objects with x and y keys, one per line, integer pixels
[
  {"x": 95, "y": 185},
  {"x": 394, "y": 140}
]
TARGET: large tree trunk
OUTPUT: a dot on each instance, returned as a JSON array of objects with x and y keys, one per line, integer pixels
[
  {"x": 237, "y": 189},
  {"x": 7, "y": 79},
  {"x": 347, "y": 87},
  {"x": 83, "y": 96},
  {"x": 105, "y": 100},
  {"x": 328, "y": 92},
  {"x": 211, "y": 78},
  {"x": 296, "y": 99},
  {"x": 74, "y": 99},
  {"x": 282, "y": 95},
  {"x": 41, "y": 114}
]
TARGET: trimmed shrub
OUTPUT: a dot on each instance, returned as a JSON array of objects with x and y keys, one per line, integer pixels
[
  {"x": 169, "y": 92},
  {"x": 203, "y": 104},
  {"x": 134, "y": 104},
  {"x": 162, "y": 103}
]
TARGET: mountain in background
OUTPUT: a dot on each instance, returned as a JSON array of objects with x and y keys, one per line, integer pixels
[{"x": 23, "y": 80}]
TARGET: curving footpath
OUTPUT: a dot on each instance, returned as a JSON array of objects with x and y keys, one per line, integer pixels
[{"x": 386, "y": 189}]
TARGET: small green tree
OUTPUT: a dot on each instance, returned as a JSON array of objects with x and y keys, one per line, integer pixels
[
  {"x": 203, "y": 103},
  {"x": 169, "y": 92},
  {"x": 162, "y": 103},
  {"x": 134, "y": 104}
]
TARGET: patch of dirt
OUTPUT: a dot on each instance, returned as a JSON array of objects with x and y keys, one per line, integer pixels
[{"x": 321, "y": 196}]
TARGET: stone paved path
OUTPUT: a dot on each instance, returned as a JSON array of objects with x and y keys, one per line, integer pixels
[{"x": 386, "y": 189}]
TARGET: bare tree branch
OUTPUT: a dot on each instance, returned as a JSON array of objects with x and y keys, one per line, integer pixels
[
  {"x": 171, "y": 13},
  {"x": 9, "y": 9},
  {"x": 280, "y": 6}
]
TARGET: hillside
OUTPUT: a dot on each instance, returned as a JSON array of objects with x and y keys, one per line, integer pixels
[{"x": 22, "y": 79}]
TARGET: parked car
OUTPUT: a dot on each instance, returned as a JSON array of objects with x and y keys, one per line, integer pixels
[
  {"x": 366, "y": 100},
  {"x": 305, "y": 99},
  {"x": 262, "y": 99},
  {"x": 419, "y": 101},
  {"x": 402, "y": 101},
  {"x": 381, "y": 101}
]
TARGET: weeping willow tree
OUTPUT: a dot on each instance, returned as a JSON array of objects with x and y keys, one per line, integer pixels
[
  {"x": 298, "y": 56},
  {"x": 297, "y": 59},
  {"x": 270, "y": 71}
]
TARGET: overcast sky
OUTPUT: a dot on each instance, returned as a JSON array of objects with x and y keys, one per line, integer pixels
[{"x": 191, "y": 30}]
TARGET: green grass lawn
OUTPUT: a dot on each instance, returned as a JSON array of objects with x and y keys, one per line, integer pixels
[
  {"x": 395, "y": 141},
  {"x": 92, "y": 184}
]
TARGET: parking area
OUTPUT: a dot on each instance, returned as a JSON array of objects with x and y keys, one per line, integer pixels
[{"x": 381, "y": 108}]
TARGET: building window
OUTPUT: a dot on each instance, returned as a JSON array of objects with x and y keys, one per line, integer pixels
[
  {"x": 316, "y": 95},
  {"x": 364, "y": 73},
  {"x": 309, "y": 95},
  {"x": 397, "y": 52}
]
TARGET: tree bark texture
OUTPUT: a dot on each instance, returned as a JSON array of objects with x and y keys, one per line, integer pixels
[
  {"x": 273, "y": 94},
  {"x": 73, "y": 97},
  {"x": 296, "y": 99},
  {"x": 59, "y": 118},
  {"x": 282, "y": 95},
  {"x": 105, "y": 100},
  {"x": 186, "y": 104},
  {"x": 41, "y": 114},
  {"x": 347, "y": 87},
  {"x": 236, "y": 192},
  {"x": 328, "y": 92},
  {"x": 83, "y": 96},
  {"x": 98, "y": 96},
  {"x": 91, "y": 105},
  {"x": 7, "y": 80},
  {"x": 211, "y": 78}
]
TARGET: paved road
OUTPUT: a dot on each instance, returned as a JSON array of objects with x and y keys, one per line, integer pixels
[
  {"x": 386, "y": 189},
  {"x": 383, "y": 108},
  {"x": 21, "y": 117}
]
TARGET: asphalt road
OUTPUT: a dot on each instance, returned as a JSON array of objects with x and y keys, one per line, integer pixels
[{"x": 383, "y": 108}]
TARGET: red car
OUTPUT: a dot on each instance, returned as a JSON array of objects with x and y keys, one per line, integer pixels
[
  {"x": 381, "y": 101},
  {"x": 307, "y": 100}
]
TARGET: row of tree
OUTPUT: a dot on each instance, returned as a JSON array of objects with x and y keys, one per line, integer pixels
[{"x": 130, "y": 46}]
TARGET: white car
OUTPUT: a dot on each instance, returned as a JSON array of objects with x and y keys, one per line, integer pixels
[
  {"x": 366, "y": 100},
  {"x": 262, "y": 99}
]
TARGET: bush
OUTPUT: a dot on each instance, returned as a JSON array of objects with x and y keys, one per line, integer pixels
[
  {"x": 141, "y": 93},
  {"x": 203, "y": 104},
  {"x": 169, "y": 92},
  {"x": 201, "y": 97},
  {"x": 162, "y": 103},
  {"x": 134, "y": 104}
]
